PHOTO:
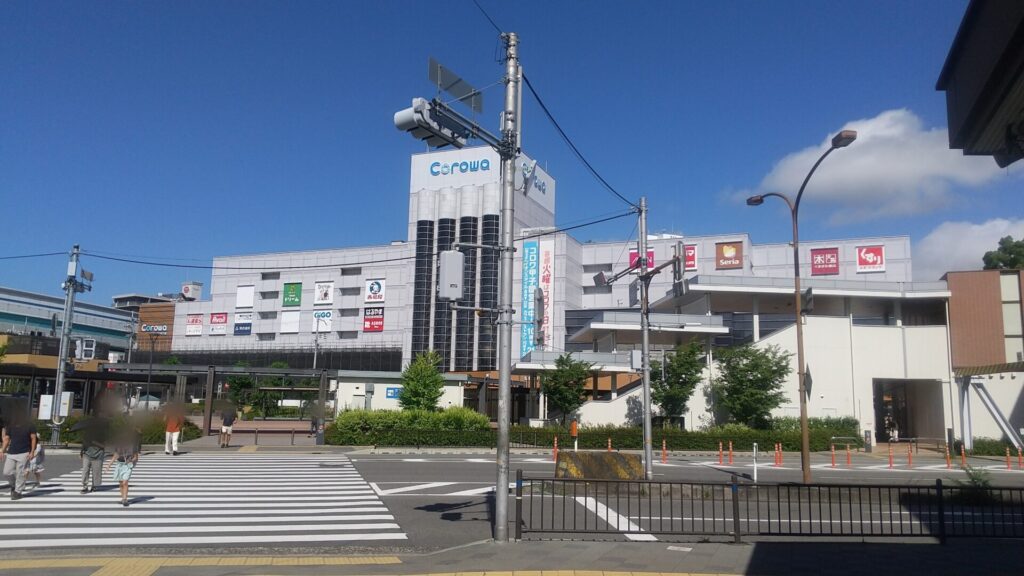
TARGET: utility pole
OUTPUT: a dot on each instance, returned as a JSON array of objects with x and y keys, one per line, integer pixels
[
  {"x": 645, "y": 282},
  {"x": 508, "y": 151},
  {"x": 71, "y": 287}
]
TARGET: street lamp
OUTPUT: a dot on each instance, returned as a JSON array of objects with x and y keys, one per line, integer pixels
[
  {"x": 149, "y": 377},
  {"x": 841, "y": 140}
]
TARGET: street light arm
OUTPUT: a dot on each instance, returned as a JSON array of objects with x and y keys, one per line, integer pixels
[
  {"x": 785, "y": 198},
  {"x": 795, "y": 207}
]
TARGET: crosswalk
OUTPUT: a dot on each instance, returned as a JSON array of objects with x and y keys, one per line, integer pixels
[{"x": 206, "y": 499}]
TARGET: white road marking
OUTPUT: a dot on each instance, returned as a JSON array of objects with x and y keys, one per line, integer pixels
[
  {"x": 412, "y": 488},
  {"x": 613, "y": 518},
  {"x": 136, "y": 541}
]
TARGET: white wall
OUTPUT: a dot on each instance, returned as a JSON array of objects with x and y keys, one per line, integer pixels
[
  {"x": 1007, "y": 390},
  {"x": 610, "y": 412},
  {"x": 351, "y": 396}
]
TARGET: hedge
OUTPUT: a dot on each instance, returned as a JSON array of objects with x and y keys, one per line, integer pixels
[
  {"x": 152, "y": 429},
  {"x": 452, "y": 427}
]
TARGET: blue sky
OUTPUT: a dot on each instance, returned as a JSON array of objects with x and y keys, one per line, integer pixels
[{"x": 188, "y": 130}]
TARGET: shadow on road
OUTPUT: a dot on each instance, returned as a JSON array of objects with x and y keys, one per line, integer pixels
[
  {"x": 476, "y": 510},
  {"x": 898, "y": 558}
]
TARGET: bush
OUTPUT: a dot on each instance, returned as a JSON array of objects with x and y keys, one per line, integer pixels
[
  {"x": 452, "y": 427},
  {"x": 840, "y": 426},
  {"x": 989, "y": 447}
]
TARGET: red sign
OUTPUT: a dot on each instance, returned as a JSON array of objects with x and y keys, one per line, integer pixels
[
  {"x": 870, "y": 259},
  {"x": 634, "y": 255},
  {"x": 373, "y": 319},
  {"x": 219, "y": 318},
  {"x": 690, "y": 257},
  {"x": 824, "y": 261}
]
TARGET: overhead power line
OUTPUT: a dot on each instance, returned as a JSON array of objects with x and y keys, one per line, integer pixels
[
  {"x": 573, "y": 147},
  {"x": 26, "y": 256},
  {"x": 322, "y": 266}
]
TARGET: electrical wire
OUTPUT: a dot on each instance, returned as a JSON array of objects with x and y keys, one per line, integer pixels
[
  {"x": 25, "y": 256},
  {"x": 488, "y": 16},
  {"x": 91, "y": 254},
  {"x": 573, "y": 147}
]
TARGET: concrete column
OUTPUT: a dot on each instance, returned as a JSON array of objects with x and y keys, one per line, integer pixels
[
  {"x": 897, "y": 312},
  {"x": 615, "y": 385},
  {"x": 211, "y": 375},
  {"x": 531, "y": 406},
  {"x": 542, "y": 405},
  {"x": 481, "y": 397},
  {"x": 757, "y": 318}
]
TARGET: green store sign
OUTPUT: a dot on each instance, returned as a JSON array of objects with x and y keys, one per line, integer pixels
[{"x": 293, "y": 294}]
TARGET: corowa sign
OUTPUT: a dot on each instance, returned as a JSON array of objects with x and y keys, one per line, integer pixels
[
  {"x": 443, "y": 169},
  {"x": 156, "y": 328}
]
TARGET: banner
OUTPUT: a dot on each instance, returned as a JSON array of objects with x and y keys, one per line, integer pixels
[
  {"x": 374, "y": 291},
  {"x": 194, "y": 325},
  {"x": 243, "y": 323},
  {"x": 870, "y": 259},
  {"x": 323, "y": 320},
  {"x": 547, "y": 284},
  {"x": 373, "y": 319},
  {"x": 728, "y": 255},
  {"x": 531, "y": 276},
  {"x": 218, "y": 323},
  {"x": 690, "y": 257},
  {"x": 292, "y": 294},
  {"x": 323, "y": 293},
  {"x": 824, "y": 261},
  {"x": 634, "y": 255}
]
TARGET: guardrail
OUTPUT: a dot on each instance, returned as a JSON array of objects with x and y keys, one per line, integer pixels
[{"x": 639, "y": 510}]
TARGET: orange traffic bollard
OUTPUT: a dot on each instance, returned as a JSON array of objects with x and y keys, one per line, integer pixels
[
  {"x": 554, "y": 452},
  {"x": 1008, "y": 458},
  {"x": 609, "y": 443},
  {"x": 890, "y": 454},
  {"x": 849, "y": 458},
  {"x": 664, "y": 452},
  {"x": 833, "y": 455},
  {"x": 963, "y": 457},
  {"x": 1020, "y": 460},
  {"x": 719, "y": 453},
  {"x": 730, "y": 452},
  {"x": 910, "y": 457},
  {"x": 949, "y": 461}
]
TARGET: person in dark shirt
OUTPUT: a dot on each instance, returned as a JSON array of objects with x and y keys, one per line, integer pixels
[
  {"x": 94, "y": 436},
  {"x": 227, "y": 419},
  {"x": 18, "y": 445}
]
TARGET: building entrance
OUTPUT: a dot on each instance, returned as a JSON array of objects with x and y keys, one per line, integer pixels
[{"x": 908, "y": 410}]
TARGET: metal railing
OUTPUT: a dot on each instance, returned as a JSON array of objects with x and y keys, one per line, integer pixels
[{"x": 639, "y": 510}]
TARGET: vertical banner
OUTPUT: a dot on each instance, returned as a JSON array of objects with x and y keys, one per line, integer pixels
[
  {"x": 547, "y": 285},
  {"x": 531, "y": 276},
  {"x": 373, "y": 319},
  {"x": 292, "y": 294}
]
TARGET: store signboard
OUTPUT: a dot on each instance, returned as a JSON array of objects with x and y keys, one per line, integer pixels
[
  {"x": 374, "y": 291},
  {"x": 243, "y": 323},
  {"x": 218, "y": 323},
  {"x": 373, "y": 319},
  {"x": 531, "y": 277},
  {"x": 194, "y": 325},
  {"x": 824, "y": 261},
  {"x": 870, "y": 259},
  {"x": 728, "y": 255},
  {"x": 690, "y": 257},
  {"x": 323, "y": 293},
  {"x": 547, "y": 285},
  {"x": 323, "y": 321},
  {"x": 292, "y": 294},
  {"x": 634, "y": 255}
]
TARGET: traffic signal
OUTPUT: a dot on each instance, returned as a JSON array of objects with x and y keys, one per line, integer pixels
[{"x": 426, "y": 122}]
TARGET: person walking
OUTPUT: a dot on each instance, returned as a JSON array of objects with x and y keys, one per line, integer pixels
[
  {"x": 173, "y": 421},
  {"x": 227, "y": 419},
  {"x": 35, "y": 466},
  {"x": 18, "y": 445},
  {"x": 94, "y": 437},
  {"x": 124, "y": 458}
]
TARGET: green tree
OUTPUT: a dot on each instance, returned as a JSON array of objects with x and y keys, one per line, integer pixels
[
  {"x": 749, "y": 382},
  {"x": 1008, "y": 256},
  {"x": 172, "y": 360},
  {"x": 564, "y": 386},
  {"x": 422, "y": 383},
  {"x": 673, "y": 384}
]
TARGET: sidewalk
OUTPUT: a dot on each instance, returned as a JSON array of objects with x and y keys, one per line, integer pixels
[{"x": 574, "y": 559}]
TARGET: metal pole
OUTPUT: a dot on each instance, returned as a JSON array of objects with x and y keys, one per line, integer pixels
[
  {"x": 508, "y": 154},
  {"x": 149, "y": 376},
  {"x": 321, "y": 408},
  {"x": 70, "y": 288},
  {"x": 645, "y": 340}
]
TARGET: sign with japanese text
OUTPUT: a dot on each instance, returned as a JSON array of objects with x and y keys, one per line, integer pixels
[
  {"x": 292, "y": 294},
  {"x": 531, "y": 277},
  {"x": 824, "y": 261},
  {"x": 218, "y": 323},
  {"x": 194, "y": 325},
  {"x": 373, "y": 319},
  {"x": 547, "y": 285},
  {"x": 690, "y": 257},
  {"x": 374, "y": 291},
  {"x": 243, "y": 323},
  {"x": 870, "y": 259},
  {"x": 634, "y": 255}
]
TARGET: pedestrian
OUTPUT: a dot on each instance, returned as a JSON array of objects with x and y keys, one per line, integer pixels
[
  {"x": 125, "y": 457},
  {"x": 173, "y": 420},
  {"x": 19, "y": 443},
  {"x": 35, "y": 465},
  {"x": 94, "y": 437},
  {"x": 314, "y": 418},
  {"x": 227, "y": 419}
]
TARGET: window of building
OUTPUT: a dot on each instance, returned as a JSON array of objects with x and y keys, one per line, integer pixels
[
  {"x": 1009, "y": 288},
  {"x": 270, "y": 276},
  {"x": 348, "y": 312},
  {"x": 266, "y": 336},
  {"x": 270, "y": 295},
  {"x": 268, "y": 315},
  {"x": 352, "y": 271},
  {"x": 351, "y": 291},
  {"x": 348, "y": 334},
  {"x": 595, "y": 268},
  {"x": 597, "y": 289}
]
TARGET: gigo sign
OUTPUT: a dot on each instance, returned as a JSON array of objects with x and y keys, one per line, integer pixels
[{"x": 443, "y": 169}]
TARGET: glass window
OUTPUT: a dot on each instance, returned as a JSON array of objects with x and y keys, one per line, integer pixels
[
  {"x": 353, "y": 271},
  {"x": 270, "y": 276},
  {"x": 607, "y": 289},
  {"x": 264, "y": 337},
  {"x": 595, "y": 268},
  {"x": 348, "y": 335},
  {"x": 351, "y": 291},
  {"x": 1014, "y": 349},
  {"x": 1009, "y": 286},
  {"x": 1011, "y": 319},
  {"x": 270, "y": 295}
]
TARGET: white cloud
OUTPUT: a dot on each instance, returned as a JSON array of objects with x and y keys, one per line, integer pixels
[
  {"x": 895, "y": 168},
  {"x": 960, "y": 246}
]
